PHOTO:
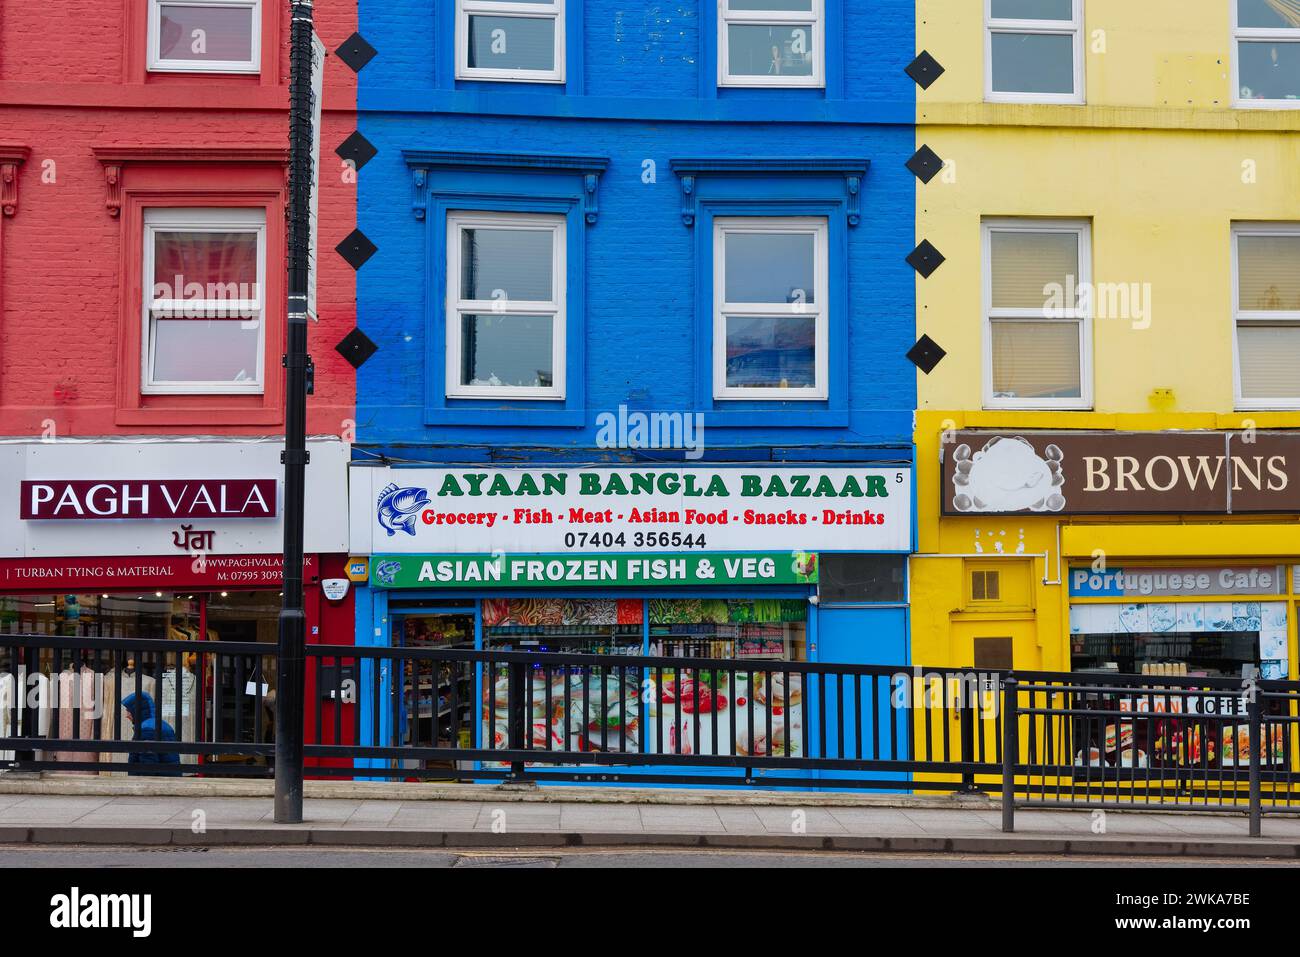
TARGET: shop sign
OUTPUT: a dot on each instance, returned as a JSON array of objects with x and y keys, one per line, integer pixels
[
  {"x": 1082, "y": 473},
  {"x": 1144, "y": 581},
  {"x": 144, "y": 498},
  {"x": 54, "y": 503},
  {"x": 488, "y": 511},
  {"x": 154, "y": 572},
  {"x": 606, "y": 571}
]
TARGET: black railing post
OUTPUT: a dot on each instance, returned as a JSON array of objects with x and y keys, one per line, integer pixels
[
  {"x": 967, "y": 718},
  {"x": 1010, "y": 749},
  {"x": 29, "y": 718},
  {"x": 518, "y": 715},
  {"x": 1254, "y": 715}
]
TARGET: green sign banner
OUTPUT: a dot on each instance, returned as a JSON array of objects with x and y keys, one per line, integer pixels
[{"x": 606, "y": 571}]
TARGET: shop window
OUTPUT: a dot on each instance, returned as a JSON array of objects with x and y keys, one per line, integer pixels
[
  {"x": 521, "y": 40},
  {"x": 847, "y": 579},
  {"x": 1033, "y": 51},
  {"x": 203, "y": 315},
  {"x": 771, "y": 43},
  {"x": 505, "y": 306},
  {"x": 770, "y": 291},
  {"x": 1038, "y": 326},
  {"x": 985, "y": 585},
  {"x": 1266, "y": 68},
  {"x": 1266, "y": 309},
  {"x": 204, "y": 36}
]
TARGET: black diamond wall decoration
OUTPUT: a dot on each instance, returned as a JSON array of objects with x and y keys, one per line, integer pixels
[
  {"x": 356, "y": 347},
  {"x": 924, "y": 70},
  {"x": 357, "y": 149},
  {"x": 925, "y": 355},
  {"x": 925, "y": 259},
  {"x": 356, "y": 249},
  {"x": 925, "y": 164},
  {"x": 356, "y": 52}
]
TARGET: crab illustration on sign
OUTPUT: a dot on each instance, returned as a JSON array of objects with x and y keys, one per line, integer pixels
[
  {"x": 1008, "y": 475},
  {"x": 398, "y": 507}
]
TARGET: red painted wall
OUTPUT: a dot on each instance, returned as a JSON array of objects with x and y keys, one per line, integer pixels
[{"x": 72, "y": 78}]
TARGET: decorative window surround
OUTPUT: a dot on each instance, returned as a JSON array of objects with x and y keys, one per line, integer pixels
[
  {"x": 422, "y": 162},
  {"x": 445, "y": 182},
  {"x": 11, "y": 158},
  {"x": 852, "y": 170},
  {"x": 153, "y": 177}
]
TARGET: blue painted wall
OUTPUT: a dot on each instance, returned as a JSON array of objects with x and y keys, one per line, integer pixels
[{"x": 641, "y": 86}]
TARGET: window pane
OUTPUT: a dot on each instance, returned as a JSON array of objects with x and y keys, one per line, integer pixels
[
  {"x": 506, "y": 263},
  {"x": 1269, "y": 71},
  {"x": 801, "y": 5},
  {"x": 1036, "y": 360},
  {"x": 1270, "y": 358},
  {"x": 205, "y": 350},
  {"x": 1033, "y": 63},
  {"x": 1024, "y": 264},
  {"x": 771, "y": 353},
  {"x": 205, "y": 265},
  {"x": 769, "y": 50},
  {"x": 506, "y": 350},
  {"x": 847, "y": 577},
  {"x": 512, "y": 43},
  {"x": 205, "y": 33},
  {"x": 1032, "y": 10},
  {"x": 1268, "y": 13},
  {"x": 769, "y": 267},
  {"x": 1269, "y": 268}
]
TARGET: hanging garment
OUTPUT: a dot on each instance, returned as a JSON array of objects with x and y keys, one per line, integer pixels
[
  {"x": 78, "y": 690},
  {"x": 189, "y": 700},
  {"x": 36, "y": 693}
]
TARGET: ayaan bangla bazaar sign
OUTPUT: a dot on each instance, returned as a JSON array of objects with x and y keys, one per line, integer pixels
[
  {"x": 740, "y": 509},
  {"x": 149, "y": 498},
  {"x": 1079, "y": 473}
]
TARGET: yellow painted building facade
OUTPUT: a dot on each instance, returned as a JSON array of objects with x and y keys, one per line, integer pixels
[{"x": 1159, "y": 164}]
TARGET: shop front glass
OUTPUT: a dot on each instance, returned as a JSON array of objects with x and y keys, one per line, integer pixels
[
  {"x": 198, "y": 697},
  {"x": 1187, "y": 639}
]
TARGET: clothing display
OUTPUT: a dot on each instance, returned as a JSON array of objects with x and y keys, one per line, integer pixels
[{"x": 78, "y": 705}]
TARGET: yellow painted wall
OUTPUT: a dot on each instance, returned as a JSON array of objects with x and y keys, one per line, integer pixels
[{"x": 1161, "y": 165}]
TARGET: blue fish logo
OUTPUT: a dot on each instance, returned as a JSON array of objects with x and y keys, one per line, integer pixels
[
  {"x": 399, "y": 508},
  {"x": 386, "y": 572}
]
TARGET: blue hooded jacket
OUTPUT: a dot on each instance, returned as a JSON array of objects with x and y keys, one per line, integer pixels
[{"x": 148, "y": 727}]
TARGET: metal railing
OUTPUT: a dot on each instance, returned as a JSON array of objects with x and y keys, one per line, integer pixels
[{"x": 1059, "y": 740}]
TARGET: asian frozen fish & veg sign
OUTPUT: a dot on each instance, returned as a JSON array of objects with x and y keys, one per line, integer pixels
[{"x": 486, "y": 511}]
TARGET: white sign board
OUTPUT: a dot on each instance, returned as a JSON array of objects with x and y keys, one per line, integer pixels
[
  {"x": 117, "y": 463},
  {"x": 549, "y": 510}
]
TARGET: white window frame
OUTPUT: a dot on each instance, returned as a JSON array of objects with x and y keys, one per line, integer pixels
[
  {"x": 1257, "y": 317},
  {"x": 1255, "y": 34},
  {"x": 1073, "y": 27},
  {"x": 214, "y": 220},
  {"x": 503, "y": 8},
  {"x": 819, "y": 228},
  {"x": 1083, "y": 230},
  {"x": 157, "y": 64},
  {"x": 555, "y": 308},
  {"x": 766, "y": 18}
]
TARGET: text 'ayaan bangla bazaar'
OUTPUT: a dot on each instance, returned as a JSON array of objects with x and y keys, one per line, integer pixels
[{"x": 664, "y": 483}]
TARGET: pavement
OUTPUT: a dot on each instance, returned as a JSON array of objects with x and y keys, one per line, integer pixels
[{"x": 190, "y": 813}]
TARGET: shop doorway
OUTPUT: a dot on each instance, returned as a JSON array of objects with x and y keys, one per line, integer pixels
[{"x": 434, "y": 700}]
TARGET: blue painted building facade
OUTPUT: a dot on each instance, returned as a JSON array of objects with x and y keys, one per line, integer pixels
[{"x": 690, "y": 209}]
